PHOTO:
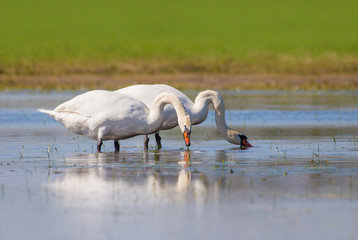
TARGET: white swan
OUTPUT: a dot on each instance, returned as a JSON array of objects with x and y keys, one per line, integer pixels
[
  {"x": 198, "y": 111},
  {"x": 105, "y": 115}
]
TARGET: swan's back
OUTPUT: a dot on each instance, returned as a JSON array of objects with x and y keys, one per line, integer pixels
[
  {"x": 95, "y": 102},
  {"x": 147, "y": 93}
]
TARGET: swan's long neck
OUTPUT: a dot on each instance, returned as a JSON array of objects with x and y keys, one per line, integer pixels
[
  {"x": 201, "y": 108},
  {"x": 155, "y": 117}
]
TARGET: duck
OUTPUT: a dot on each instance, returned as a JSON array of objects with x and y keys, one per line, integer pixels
[
  {"x": 106, "y": 115},
  {"x": 198, "y": 110}
]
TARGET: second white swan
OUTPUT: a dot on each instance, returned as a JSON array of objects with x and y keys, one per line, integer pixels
[{"x": 198, "y": 111}]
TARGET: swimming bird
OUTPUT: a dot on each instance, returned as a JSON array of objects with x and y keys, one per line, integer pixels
[
  {"x": 198, "y": 110},
  {"x": 105, "y": 115}
]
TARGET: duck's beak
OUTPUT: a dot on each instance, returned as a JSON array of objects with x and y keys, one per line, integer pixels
[
  {"x": 187, "y": 137},
  {"x": 245, "y": 143}
]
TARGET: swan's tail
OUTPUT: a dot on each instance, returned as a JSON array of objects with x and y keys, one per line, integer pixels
[
  {"x": 71, "y": 120},
  {"x": 49, "y": 112},
  {"x": 63, "y": 116}
]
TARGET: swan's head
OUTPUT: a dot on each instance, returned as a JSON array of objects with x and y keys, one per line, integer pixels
[
  {"x": 185, "y": 127},
  {"x": 238, "y": 138}
]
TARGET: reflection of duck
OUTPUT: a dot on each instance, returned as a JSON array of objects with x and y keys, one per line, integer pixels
[
  {"x": 198, "y": 111},
  {"x": 105, "y": 115}
]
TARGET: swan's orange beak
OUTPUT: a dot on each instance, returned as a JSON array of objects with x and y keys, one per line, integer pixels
[
  {"x": 245, "y": 143},
  {"x": 187, "y": 138}
]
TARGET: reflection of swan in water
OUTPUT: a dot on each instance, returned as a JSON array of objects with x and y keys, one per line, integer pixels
[
  {"x": 105, "y": 182},
  {"x": 187, "y": 184}
]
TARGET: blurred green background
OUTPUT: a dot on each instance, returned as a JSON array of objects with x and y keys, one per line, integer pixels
[{"x": 122, "y": 30}]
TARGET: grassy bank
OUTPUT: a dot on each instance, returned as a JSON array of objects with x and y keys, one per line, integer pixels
[{"x": 145, "y": 38}]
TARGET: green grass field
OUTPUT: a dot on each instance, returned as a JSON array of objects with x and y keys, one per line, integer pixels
[{"x": 208, "y": 33}]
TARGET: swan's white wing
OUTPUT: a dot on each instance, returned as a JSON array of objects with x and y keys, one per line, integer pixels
[{"x": 124, "y": 120}]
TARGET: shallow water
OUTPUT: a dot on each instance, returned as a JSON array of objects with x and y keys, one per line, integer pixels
[{"x": 300, "y": 180}]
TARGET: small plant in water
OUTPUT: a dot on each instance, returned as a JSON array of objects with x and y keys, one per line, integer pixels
[
  {"x": 335, "y": 143},
  {"x": 48, "y": 152},
  {"x": 21, "y": 154},
  {"x": 56, "y": 152},
  {"x": 278, "y": 151},
  {"x": 284, "y": 152},
  {"x": 156, "y": 156},
  {"x": 315, "y": 157}
]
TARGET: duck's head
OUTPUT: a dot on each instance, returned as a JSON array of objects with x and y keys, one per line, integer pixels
[
  {"x": 185, "y": 127},
  {"x": 238, "y": 138}
]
